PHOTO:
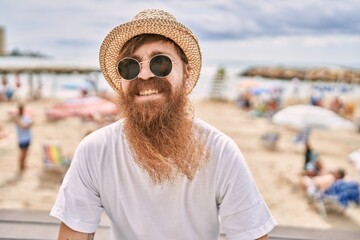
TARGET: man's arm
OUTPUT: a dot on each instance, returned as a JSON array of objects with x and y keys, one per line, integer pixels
[{"x": 66, "y": 233}]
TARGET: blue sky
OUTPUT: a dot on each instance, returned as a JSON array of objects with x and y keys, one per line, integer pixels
[{"x": 259, "y": 30}]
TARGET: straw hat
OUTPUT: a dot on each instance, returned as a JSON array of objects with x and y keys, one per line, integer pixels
[{"x": 150, "y": 21}]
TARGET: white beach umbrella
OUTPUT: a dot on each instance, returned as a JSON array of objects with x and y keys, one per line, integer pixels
[{"x": 308, "y": 116}]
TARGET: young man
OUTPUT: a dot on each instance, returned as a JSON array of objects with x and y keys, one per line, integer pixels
[{"x": 159, "y": 172}]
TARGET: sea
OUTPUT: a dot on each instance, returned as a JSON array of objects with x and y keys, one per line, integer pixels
[{"x": 65, "y": 86}]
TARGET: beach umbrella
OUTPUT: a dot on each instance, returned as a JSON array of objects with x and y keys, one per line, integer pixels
[
  {"x": 309, "y": 116},
  {"x": 85, "y": 107}
]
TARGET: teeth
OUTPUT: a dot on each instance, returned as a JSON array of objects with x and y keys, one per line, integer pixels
[{"x": 148, "y": 92}]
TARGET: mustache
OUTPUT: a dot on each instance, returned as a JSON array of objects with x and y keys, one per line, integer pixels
[{"x": 160, "y": 84}]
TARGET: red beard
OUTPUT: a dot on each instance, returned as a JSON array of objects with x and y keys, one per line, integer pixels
[{"x": 161, "y": 132}]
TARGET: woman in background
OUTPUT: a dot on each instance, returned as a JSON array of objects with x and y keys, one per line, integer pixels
[{"x": 23, "y": 129}]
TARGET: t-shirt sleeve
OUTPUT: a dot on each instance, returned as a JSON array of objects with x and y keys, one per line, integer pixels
[
  {"x": 78, "y": 203},
  {"x": 243, "y": 211}
]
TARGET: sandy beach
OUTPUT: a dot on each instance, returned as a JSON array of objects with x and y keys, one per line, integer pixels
[{"x": 276, "y": 172}]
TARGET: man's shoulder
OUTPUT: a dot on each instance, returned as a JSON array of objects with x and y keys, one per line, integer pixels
[
  {"x": 215, "y": 137},
  {"x": 106, "y": 133},
  {"x": 208, "y": 128},
  {"x": 199, "y": 123}
]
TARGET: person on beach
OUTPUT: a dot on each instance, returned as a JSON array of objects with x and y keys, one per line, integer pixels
[
  {"x": 321, "y": 182},
  {"x": 313, "y": 165},
  {"x": 23, "y": 129},
  {"x": 158, "y": 172}
]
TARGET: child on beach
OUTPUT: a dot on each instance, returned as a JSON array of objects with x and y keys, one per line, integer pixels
[{"x": 23, "y": 129}]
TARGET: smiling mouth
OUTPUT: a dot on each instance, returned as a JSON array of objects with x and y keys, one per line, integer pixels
[{"x": 148, "y": 92}]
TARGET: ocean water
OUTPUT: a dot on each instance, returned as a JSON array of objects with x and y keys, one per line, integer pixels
[{"x": 67, "y": 86}]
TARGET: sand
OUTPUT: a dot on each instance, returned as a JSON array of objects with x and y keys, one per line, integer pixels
[{"x": 276, "y": 172}]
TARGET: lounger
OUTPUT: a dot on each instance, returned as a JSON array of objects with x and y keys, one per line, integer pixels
[
  {"x": 339, "y": 196},
  {"x": 53, "y": 158}
]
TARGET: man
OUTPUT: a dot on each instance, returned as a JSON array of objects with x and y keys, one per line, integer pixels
[{"x": 159, "y": 172}]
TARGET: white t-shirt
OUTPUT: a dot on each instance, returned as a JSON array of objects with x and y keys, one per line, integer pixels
[{"x": 104, "y": 177}]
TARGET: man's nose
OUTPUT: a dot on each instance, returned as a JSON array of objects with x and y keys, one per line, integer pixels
[{"x": 145, "y": 72}]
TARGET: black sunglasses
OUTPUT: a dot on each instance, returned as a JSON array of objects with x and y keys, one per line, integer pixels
[{"x": 160, "y": 65}]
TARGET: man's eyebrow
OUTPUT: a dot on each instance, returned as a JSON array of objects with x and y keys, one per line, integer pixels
[
  {"x": 157, "y": 52},
  {"x": 153, "y": 53}
]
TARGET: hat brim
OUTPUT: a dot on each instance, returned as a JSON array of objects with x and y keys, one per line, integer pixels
[{"x": 115, "y": 40}]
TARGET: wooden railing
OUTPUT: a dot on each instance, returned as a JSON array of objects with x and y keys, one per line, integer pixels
[{"x": 38, "y": 225}]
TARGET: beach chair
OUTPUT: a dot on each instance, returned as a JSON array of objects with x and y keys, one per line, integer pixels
[
  {"x": 54, "y": 159},
  {"x": 269, "y": 140},
  {"x": 323, "y": 202},
  {"x": 338, "y": 197}
]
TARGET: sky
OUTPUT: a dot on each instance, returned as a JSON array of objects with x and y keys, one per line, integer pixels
[{"x": 323, "y": 31}]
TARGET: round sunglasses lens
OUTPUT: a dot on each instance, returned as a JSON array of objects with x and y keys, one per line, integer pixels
[
  {"x": 161, "y": 65},
  {"x": 129, "y": 69}
]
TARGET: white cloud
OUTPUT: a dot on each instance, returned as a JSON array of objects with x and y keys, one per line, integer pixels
[
  {"x": 262, "y": 29},
  {"x": 339, "y": 49}
]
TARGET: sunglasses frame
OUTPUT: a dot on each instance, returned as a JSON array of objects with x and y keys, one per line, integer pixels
[{"x": 146, "y": 61}]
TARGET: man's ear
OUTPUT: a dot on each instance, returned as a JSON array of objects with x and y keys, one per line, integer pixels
[{"x": 187, "y": 80}]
